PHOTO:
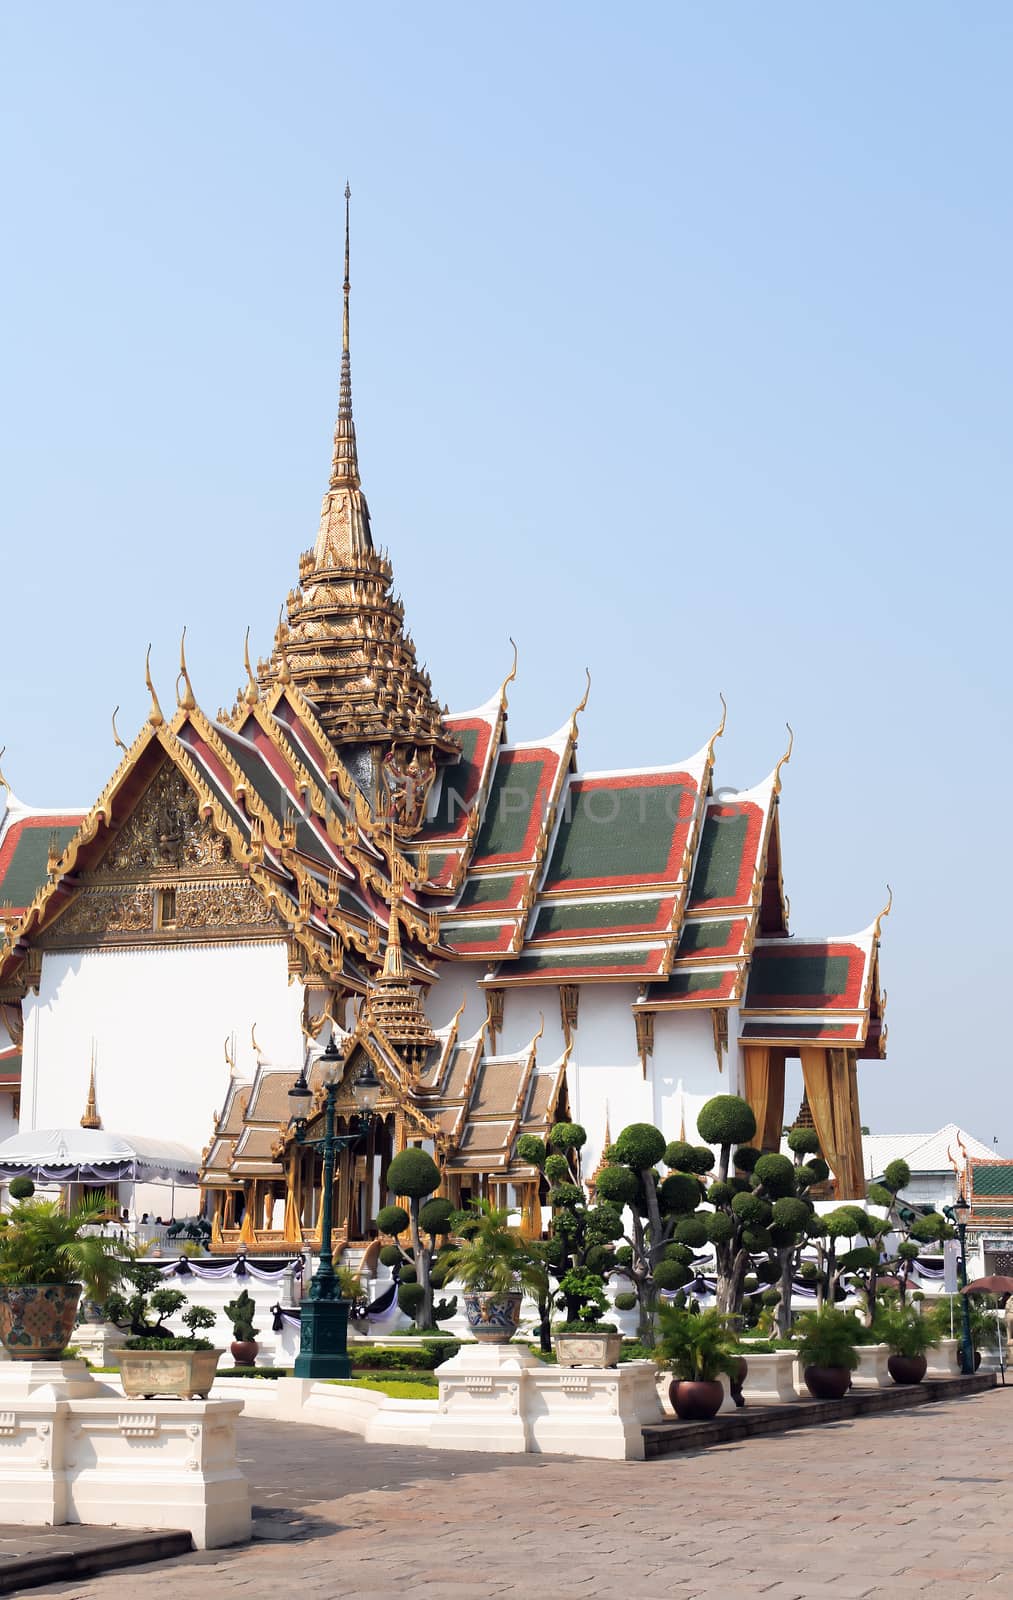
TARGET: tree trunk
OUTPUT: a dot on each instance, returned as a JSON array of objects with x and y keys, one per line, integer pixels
[
  {"x": 784, "y": 1289},
  {"x": 425, "y": 1319},
  {"x": 730, "y": 1285},
  {"x": 647, "y": 1308}
]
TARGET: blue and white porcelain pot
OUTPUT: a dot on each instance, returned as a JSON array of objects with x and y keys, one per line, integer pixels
[{"x": 493, "y": 1318}]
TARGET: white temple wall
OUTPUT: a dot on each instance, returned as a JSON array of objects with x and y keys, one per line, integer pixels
[
  {"x": 159, "y": 1019},
  {"x": 8, "y": 1121}
]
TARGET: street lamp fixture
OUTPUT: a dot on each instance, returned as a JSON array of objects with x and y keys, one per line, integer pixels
[{"x": 323, "y": 1328}]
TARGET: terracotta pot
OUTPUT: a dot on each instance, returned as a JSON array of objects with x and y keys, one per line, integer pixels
[
  {"x": 492, "y": 1318},
  {"x": 827, "y": 1383},
  {"x": 244, "y": 1351},
  {"x": 37, "y": 1319},
  {"x": 977, "y": 1360},
  {"x": 697, "y": 1399},
  {"x": 907, "y": 1369}
]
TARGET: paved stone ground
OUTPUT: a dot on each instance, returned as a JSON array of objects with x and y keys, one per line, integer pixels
[{"x": 914, "y": 1504}]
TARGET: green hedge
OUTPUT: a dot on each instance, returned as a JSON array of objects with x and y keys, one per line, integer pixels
[{"x": 395, "y": 1358}]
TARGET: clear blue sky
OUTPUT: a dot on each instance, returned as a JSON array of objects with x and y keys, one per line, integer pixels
[{"x": 681, "y": 348}]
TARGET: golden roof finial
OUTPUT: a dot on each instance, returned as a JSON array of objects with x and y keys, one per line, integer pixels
[
  {"x": 393, "y": 961},
  {"x": 116, "y": 733},
  {"x": 345, "y": 463},
  {"x": 886, "y": 909},
  {"x": 719, "y": 730},
  {"x": 784, "y": 759},
  {"x": 91, "y": 1118},
  {"x": 582, "y": 705},
  {"x": 155, "y": 716},
  {"x": 280, "y": 640},
  {"x": 186, "y": 701},
  {"x": 252, "y": 694},
  {"x": 511, "y": 675},
  {"x": 3, "y": 781}
]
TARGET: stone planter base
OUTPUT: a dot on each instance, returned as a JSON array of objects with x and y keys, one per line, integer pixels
[
  {"x": 944, "y": 1359},
  {"x": 872, "y": 1371},
  {"x": 98, "y": 1342},
  {"x": 75, "y": 1451},
  {"x": 770, "y": 1380}
]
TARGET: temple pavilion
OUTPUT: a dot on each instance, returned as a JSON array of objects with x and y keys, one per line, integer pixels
[{"x": 506, "y": 939}]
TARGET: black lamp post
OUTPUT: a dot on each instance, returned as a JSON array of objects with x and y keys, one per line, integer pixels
[
  {"x": 959, "y": 1213},
  {"x": 323, "y": 1327}
]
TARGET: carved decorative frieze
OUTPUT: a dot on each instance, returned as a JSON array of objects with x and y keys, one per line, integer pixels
[{"x": 165, "y": 833}]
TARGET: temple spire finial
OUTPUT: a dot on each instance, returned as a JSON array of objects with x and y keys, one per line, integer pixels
[
  {"x": 345, "y": 462},
  {"x": 91, "y": 1118}
]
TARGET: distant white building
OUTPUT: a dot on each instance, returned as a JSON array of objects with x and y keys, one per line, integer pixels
[{"x": 938, "y": 1161}]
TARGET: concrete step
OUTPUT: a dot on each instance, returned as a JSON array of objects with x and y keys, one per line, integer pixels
[
  {"x": 671, "y": 1438},
  {"x": 64, "y": 1554}
]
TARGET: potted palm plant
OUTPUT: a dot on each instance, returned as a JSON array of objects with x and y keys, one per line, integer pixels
[
  {"x": 908, "y": 1335},
  {"x": 696, "y": 1347},
  {"x": 47, "y": 1258},
  {"x": 826, "y": 1351},
  {"x": 488, "y": 1262}
]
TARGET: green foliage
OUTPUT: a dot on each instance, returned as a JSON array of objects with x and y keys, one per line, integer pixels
[
  {"x": 726, "y": 1119},
  {"x": 840, "y": 1224},
  {"x": 198, "y": 1317},
  {"x": 907, "y": 1250},
  {"x": 557, "y": 1168},
  {"x": 680, "y": 1252},
  {"x": 756, "y": 1239},
  {"x": 691, "y": 1231},
  {"x": 21, "y": 1188},
  {"x": 790, "y": 1213},
  {"x": 531, "y": 1150},
  {"x": 639, "y": 1146},
  {"x": 413, "y": 1173},
  {"x": 625, "y": 1301},
  {"x": 410, "y": 1297},
  {"x": 671, "y": 1275},
  {"x": 390, "y": 1255},
  {"x": 492, "y": 1258},
  {"x": 395, "y": 1358},
  {"x": 720, "y": 1227},
  {"x": 752, "y": 1209},
  {"x": 927, "y": 1230},
  {"x": 397, "y": 1389},
  {"x": 746, "y": 1157},
  {"x": 392, "y": 1219},
  {"x": 897, "y": 1176},
  {"x": 241, "y": 1312},
  {"x": 409, "y": 1273},
  {"x": 167, "y": 1341},
  {"x": 767, "y": 1271},
  {"x": 905, "y": 1330},
  {"x": 777, "y": 1174},
  {"x": 804, "y": 1141},
  {"x": 679, "y": 1154},
  {"x": 618, "y": 1185},
  {"x": 42, "y": 1243},
  {"x": 566, "y": 1194},
  {"x": 679, "y": 1193},
  {"x": 719, "y": 1194},
  {"x": 697, "y": 1347},
  {"x": 827, "y": 1338},
  {"x": 567, "y": 1136},
  {"x": 435, "y": 1216},
  {"x": 880, "y": 1196},
  {"x": 624, "y": 1256},
  {"x": 861, "y": 1259},
  {"x": 814, "y": 1171}
]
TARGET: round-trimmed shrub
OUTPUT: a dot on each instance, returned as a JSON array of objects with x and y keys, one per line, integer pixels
[
  {"x": 907, "y": 1250},
  {"x": 752, "y": 1209},
  {"x": 840, "y": 1224},
  {"x": 790, "y": 1213},
  {"x": 639, "y": 1146},
  {"x": 897, "y": 1175},
  {"x": 781, "y": 1238},
  {"x": 435, "y": 1216},
  {"x": 410, "y": 1297},
  {"x": 567, "y": 1136},
  {"x": 617, "y": 1184},
  {"x": 392, "y": 1219},
  {"x": 413, "y": 1173},
  {"x": 704, "y": 1158},
  {"x": 678, "y": 1155},
  {"x": 626, "y": 1301},
  {"x": 746, "y": 1157},
  {"x": 408, "y": 1273},
  {"x": 566, "y": 1194},
  {"x": 679, "y": 1192},
  {"x": 928, "y": 1229},
  {"x": 756, "y": 1239},
  {"x": 557, "y": 1168},
  {"x": 624, "y": 1256},
  {"x": 691, "y": 1231},
  {"x": 605, "y": 1223},
  {"x": 390, "y": 1255},
  {"x": 804, "y": 1141},
  {"x": 671, "y": 1275},
  {"x": 768, "y": 1271},
  {"x": 726, "y": 1119},
  {"x": 750, "y": 1282},
  {"x": 880, "y": 1195},
  {"x": 599, "y": 1258},
  {"x": 719, "y": 1194},
  {"x": 777, "y": 1174},
  {"x": 21, "y": 1188},
  {"x": 815, "y": 1170},
  {"x": 720, "y": 1227},
  {"x": 860, "y": 1259},
  {"x": 531, "y": 1149},
  {"x": 679, "y": 1252},
  {"x": 770, "y": 1297}
]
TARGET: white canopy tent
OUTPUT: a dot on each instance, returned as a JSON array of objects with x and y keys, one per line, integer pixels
[{"x": 95, "y": 1157}]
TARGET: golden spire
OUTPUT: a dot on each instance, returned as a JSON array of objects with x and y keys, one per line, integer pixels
[
  {"x": 116, "y": 733},
  {"x": 393, "y": 963},
  {"x": 785, "y": 758},
  {"x": 91, "y": 1118},
  {"x": 252, "y": 692},
  {"x": 155, "y": 716},
  {"x": 185, "y": 701},
  {"x": 345, "y": 462},
  {"x": 3, "y": 781}
]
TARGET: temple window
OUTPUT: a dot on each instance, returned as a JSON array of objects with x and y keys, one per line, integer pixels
[{"x": 165, "y": 908}]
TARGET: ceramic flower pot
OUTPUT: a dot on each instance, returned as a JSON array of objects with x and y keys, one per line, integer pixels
[
  {"x": 588, "y": 1349},
  {"x": 183, "y": 1374},
  {"x": 697, "y": 1399},
  {"x": 37, "y": 1319},
  {"x": 827, "y": 1383},
  {"x": 244, "y": 1351},
  {"x": 907, "y": 1369},
  {"x": 492, "y": 1318}
]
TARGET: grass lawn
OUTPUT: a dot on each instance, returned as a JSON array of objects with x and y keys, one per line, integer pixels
[{"x": 397, "y": 1388}]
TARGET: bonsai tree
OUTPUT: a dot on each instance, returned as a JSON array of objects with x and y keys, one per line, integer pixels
[
  {"x": 664, "y": 1231},
  {"x": 906, "y": 1229},
  {"x": 241, "y": 1312},
  {"x": 148, "y": 1299},
  {"x": 42, "y": 1243},
  {"x": 579, "y": 1254},
  {"x": 415, "y": 1174}
]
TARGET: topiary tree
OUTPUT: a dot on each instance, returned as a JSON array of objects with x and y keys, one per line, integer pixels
[
  {"x": 415, "y": 1174},
  {"x": 21, "y": 1188},
  {"x": 894, "y": 1242},
  {"x": 664, "y": 1231},
  {"x": 568, "y": 1271}
]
